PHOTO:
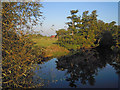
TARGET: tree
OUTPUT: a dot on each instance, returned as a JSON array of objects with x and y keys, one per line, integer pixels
[
  {"x": 17, "y": 48},
  {"x": 73, "y": 22},
  {"x": 85, "y": 31},
  {"x": 81, "y": 30},
  {"x": 61, "y": 32},
  {"x": 106, "y": 40}
]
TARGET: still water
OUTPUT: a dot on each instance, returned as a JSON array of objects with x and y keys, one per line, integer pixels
[{"x": 91, "y": 70}]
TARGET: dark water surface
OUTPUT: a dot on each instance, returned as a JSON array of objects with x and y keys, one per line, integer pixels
[{"x": 91, "y": 69}]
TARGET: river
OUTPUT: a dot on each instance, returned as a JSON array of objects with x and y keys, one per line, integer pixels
[{"x": 92, "y": 69}]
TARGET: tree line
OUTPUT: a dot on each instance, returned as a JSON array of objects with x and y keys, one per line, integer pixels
[{"x": 85, "y": 31}]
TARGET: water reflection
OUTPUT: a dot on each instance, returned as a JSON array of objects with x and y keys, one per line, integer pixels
[{"x": 84, "y": 66}]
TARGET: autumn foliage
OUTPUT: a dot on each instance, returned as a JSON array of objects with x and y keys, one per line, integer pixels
[{"x": 18, "y": 54}]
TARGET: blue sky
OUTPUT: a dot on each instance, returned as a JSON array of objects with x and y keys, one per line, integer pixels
[{"x": 55, "y": 13}]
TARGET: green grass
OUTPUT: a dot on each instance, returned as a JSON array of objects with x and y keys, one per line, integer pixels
[
  {"x": 51, "y": 49},
  {"x": 44, "y": 41}
]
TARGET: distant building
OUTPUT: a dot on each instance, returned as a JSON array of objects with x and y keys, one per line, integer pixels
[{"x": 53, "y": 36}]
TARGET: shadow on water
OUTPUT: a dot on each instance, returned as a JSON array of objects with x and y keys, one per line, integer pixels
[{"x": 85, "y": 65}]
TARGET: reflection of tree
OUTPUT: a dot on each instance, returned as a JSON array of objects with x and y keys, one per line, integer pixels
[
  {"x": 116, "y": 64},
  {"x": 84, "y": 66}
]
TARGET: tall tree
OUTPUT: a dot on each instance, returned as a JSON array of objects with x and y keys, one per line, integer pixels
[
  {"x": 73, "y": 22},
  {"x": 17, "y": 52}
]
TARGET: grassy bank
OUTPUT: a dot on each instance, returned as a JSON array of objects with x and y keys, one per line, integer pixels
[{"x": 50, "y": 48}]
